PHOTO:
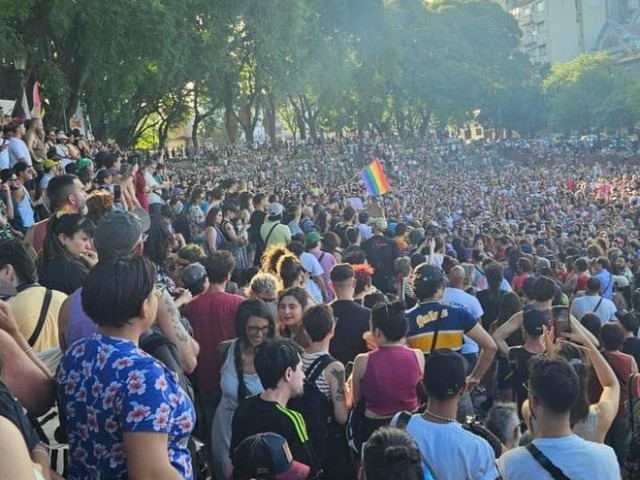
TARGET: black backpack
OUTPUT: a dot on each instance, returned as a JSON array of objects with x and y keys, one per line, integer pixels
[
  {"x": 315, "y": 407},
  {"x": 159, "y": 346}
]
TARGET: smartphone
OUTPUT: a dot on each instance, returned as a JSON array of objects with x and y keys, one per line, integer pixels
[
  {"x": 560, "y": 315},
  {"x": 348, "y": 370}
]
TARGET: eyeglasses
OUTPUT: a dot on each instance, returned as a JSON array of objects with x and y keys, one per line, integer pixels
[{"x": 257, "y": 330}]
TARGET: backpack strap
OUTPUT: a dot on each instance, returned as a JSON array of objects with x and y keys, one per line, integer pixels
[
  {"x": 266, "y": 241},
  {"x": 598, "y": 304},
  {"x": 317, "y": 367},
  {"x": 43, "y": 316},
  {"x": 545, "y": 463}
]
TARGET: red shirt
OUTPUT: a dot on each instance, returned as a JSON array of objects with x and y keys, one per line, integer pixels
[
  {"x": 142, "y": 197},
  {"x": 213, "y": 318}
]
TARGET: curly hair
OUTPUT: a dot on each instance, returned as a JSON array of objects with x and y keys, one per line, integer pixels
[{"x": 270, "y": 258}]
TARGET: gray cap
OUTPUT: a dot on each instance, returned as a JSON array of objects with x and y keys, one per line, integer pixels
[
  {"x": 118, "y": 232},
  {"x": 275, "y": 209},
  {"x": 193, "y": 273}
]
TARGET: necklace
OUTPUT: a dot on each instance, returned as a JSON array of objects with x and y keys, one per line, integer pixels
[{"x": 444, "y": 419}]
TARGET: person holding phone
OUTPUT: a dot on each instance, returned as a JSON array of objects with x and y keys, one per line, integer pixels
[{"x": 577, "y": 346}]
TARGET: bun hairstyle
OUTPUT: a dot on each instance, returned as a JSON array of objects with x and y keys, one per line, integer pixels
[
  {"x": 391, "y": 453},
  {"x": 390, "y": 319}
]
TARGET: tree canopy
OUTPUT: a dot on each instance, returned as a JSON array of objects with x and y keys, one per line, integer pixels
[{"x": 390, "y": 66}]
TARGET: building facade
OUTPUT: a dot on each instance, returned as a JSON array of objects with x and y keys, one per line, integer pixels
[{"x": 560, "y": 30}]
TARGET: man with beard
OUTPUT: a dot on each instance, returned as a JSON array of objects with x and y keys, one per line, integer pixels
[
  {"x": 278, "y": 363},
  {"x": 65, "y": 193}
]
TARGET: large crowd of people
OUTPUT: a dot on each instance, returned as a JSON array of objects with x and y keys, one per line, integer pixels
[{"x": 250, "y": 313}]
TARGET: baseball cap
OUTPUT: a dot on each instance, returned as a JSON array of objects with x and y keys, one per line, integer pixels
[
  {"x": 379, "y": 222},
  {"x": 275, "y": 209},
  {"x": 543, "y": 264},
  {"x": 267, "y": 454},
  {"x": 628, "y": 320},
  {"x": 428, "y": 273},
  {"x": 314, "y": 237},
  {"x": 49, "y": 163},
  {"x": 118, "y": 232},
  {"x": 193, "y": 273},
  {"x": 62, "y": 136},
  {"x": 341, "y": 272},
  {"x": 445, "y": 371},
  {"x": 533, "y": 320}
]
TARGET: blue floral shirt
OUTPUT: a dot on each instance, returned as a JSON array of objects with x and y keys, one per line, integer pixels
[{"x": 107, "y": 387}]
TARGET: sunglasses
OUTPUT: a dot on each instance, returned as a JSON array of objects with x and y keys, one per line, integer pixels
[{"x": 257, "y": 330}]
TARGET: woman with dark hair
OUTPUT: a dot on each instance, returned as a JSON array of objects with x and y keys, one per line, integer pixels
[
  {"x": 391, "y": 453},
  {"x": 254, "y": 324},
  {"x": 490, "y": 298},
  {"x": 291, "y": 271},
  {"x": 157, "y": 247},
  {"x": 234, "y": 232},
  {"x": 292, "y": 303},
  {"x": 124, "y": 411},
  {"x": 589, "y": 421},
  {"x": 213, "y": 236},
  {"x": 331, "y": 244},
  {"x": 67, "y": 255},
  {"x": 375, "y": 379}
]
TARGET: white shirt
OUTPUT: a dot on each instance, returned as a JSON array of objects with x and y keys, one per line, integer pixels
[
  {"x": 152, "y": 184},
  {"x": 587, "y": 304},
  {"x": 456, "y": 297},
  {"x": 4, "y": 155},
  {"x": 577, "y": 458},
  {"x": 451, "y": 452},
  {"x": 18, "y": 150},
  {"x": 313, "y": 267}
]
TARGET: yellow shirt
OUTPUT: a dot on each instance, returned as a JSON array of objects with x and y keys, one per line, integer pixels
[{"x": 26, "y": 306}]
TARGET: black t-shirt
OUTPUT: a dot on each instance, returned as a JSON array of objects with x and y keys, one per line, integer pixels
[
  {"x": 256, "y": 415},
  {"x": 63, "y": 275},
  {"x": 11, "y": 409},
  {"x": 631, "y": 346},
  {"x": 352, "y": 321},
  {"x": 519, "y": 362}
]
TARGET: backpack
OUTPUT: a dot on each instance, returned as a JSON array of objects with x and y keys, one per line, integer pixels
[
  {"x": 315, "y": 407},
  {"x": 159, "y": 346}
]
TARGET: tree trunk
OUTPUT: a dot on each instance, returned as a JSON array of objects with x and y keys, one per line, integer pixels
[
  {"x": 269, "y": 120},
  {"x": 299, "y": 119},
  {"x": 196, "y": 122}
]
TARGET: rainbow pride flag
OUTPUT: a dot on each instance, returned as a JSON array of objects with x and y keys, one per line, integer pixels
[{"x": 375, "y": 181}]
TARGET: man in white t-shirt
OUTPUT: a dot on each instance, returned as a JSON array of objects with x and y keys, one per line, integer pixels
[
  {"x": 449, "y": 451},
  {"x": 553, "y": 389},
  {"x": 18, "y": 151},
  {"x": 593, "y": 302}
]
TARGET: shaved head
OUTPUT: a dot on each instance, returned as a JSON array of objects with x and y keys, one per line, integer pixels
[{"x": 456, "y": 277}]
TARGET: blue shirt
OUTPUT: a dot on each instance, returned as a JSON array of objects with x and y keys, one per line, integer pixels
[
  {"x": 606, "y": 282},
  {"x": 107, "y": 387},
  {"x": 450, "y": 322}
]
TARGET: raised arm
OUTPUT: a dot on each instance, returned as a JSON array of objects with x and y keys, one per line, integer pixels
[{"x": 168, "y": 318}]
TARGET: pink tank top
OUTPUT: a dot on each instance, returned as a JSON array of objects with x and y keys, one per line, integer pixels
[{"x": 390, "y": 380}]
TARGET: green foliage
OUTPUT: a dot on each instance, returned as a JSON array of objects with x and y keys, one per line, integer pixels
[
  {"x": 390, "y": 66},
  {"x": 590, "y": 93}
]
